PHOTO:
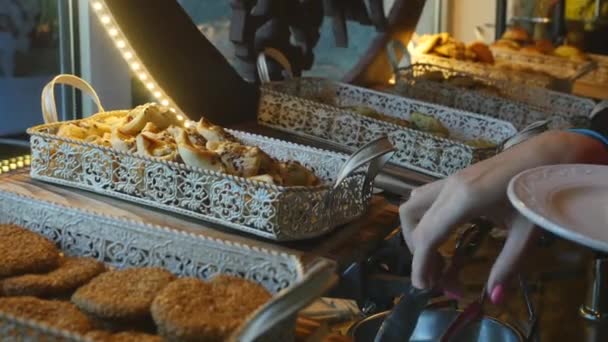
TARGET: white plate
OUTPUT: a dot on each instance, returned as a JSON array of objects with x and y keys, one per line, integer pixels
[{"x": 568, "y": 200}]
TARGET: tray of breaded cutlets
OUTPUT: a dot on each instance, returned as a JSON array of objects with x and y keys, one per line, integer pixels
[{"x": 72, "y": 275}]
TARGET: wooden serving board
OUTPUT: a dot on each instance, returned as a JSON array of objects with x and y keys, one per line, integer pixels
[{"x": 345, "y": 245}]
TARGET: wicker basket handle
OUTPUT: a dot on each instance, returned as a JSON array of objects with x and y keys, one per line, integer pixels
[
  {"x": 376, "y": 152},
  {"x": 276, "y": 55},
  {"x": 49, "y": 106},
  {"x": 320, "y": 278},
  {"x": 392, "y": 48}
]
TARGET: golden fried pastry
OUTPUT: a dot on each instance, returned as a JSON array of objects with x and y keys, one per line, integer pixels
[
  {"x": 516, "y": 34},
  {"x": 371, "y": 113},
  {"x": 122, "y": 142},
  {"x": 454, "y": 50},
  {"x": 481, "y": 143},
  {"x": 141, "y": 115},
  {"x": 544, "y": 46},
  {"x": 427, "y": 42},
  {"x": 72, "y": 131},
  {"x": 123, "y": 295},
  {"x": 196, "y": 156},
  {"x": 241, "y": 160},
  {"x": 507, "y": 44},
  {"x": 189, "y": 309},
  {"x": 212, "y": 132},
  {"x": 566, "y": 51},
  {"x": 57, "y": 314},
  {"x": 125, "y": 336},
  {"x": 531, "y": 49},
  {"x": 23, "y": 251},
  {"x": 429, "y": 124},
  {"x": 156, "y": 145},
  {"x": 72, "y": 273},
  {"x": 482, "y": 52},
  {"x": 293, "y": 173}
]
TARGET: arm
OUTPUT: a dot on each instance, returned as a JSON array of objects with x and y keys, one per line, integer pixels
[{"x": 434, "y": 209}]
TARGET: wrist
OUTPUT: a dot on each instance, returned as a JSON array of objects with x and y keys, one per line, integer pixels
[{"x": 563, "y": 147}]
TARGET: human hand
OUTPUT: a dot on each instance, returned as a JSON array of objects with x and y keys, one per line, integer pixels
[{"x": 480, "y": 190}]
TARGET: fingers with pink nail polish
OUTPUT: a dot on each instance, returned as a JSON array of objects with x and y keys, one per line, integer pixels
[{"x": 497, "y": 296}]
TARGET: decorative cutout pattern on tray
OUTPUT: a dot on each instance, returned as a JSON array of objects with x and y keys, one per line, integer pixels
[
  {"x": 297, "y": 107},
  {"x": 280, "y": 213},
  {"x": 122, "y": 243}
]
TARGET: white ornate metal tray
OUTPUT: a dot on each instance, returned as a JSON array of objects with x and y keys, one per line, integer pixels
[
  {"x": 555, "y": 65},
  {"x": 292, "y": 106},
  {"x": 516, "y": 103},
  {"x": 270, "y": 211},
  {"x": 121, "y": 243}
]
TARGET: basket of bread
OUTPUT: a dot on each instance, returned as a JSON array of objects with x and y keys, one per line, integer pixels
[
  {"x": 518, "y": 104},
  {"x": 73, "y": 275},
  {"x": 477, "y": 58},
  {"x": 428, "y": 138},
  {"x": 516, "y": 46},
  {"x": 251, "y": 183}
]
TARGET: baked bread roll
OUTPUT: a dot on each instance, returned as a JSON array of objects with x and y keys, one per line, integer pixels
[
  {"x": 516, "y": 34},
  {"x": 482, "y": 52}
]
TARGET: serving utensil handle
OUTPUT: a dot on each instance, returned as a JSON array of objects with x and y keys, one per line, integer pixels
[
  {"x": 320, "y": 277},
  {"x": 376, "y": 152},
  {"x": 276, "y": 55},
  {"x": 49, "y": 106}
]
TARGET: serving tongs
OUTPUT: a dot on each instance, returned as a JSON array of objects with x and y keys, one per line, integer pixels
[
  {"x": 474, "y": 312},
  {"x": 319, "y": 278},
  {"x": 401, "y": 321}
]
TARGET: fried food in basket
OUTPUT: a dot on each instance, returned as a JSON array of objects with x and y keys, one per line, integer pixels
[
  {"x": 369, "y": 112},
  {"x": 72, "y": 273},
  {"x": 141, "y": 115},
  {"x": 54, "y": 313},
  {"x": 444, "y": 45},
  {"x": 125, "y": 336},
  {"x": 516, "y": 34},
  {"x": 429, "y": 124},
  {"x": 122, "y": 295},
  {"x": 153, "y": 131},
  {"x": 189, "y": 309},
  {"x": 23, "y": 251},
  {"x": 571, "y": 52},
  {"x": 482, "y": 52}
]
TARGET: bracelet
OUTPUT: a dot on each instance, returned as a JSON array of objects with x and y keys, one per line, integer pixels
[{"x": 592, "y": 134}]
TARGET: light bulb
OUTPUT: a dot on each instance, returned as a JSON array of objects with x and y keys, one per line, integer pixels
[
  {"x": 150, "y": 85},
  {"x": 135, "y": 66},
  {"x": 164, "y": 102},
  {"x": 180, "y": 118},
  {"x": 128, "y": 55},
  {"x": 143, "y": 76},
  {"x": 121, "y": 44},
  {"x": 113, "y": 32},
  {"x": 157, "y": 94},
  {"x": 173, "y": 110},
  {"x": 97, "y": 6},
  {"x": 105, "y": 19}
]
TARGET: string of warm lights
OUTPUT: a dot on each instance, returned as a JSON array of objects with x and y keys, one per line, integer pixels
[{"x": 127, "y": 52}]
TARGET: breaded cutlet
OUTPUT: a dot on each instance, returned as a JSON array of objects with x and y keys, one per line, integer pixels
[
  {"x": 123, "y": 295},
  {"x": 72, "y": 273},
  {"x": 23, "y": 251},
  {"x": 54, "y": 313},
  {"x": 189, "y": 309}
]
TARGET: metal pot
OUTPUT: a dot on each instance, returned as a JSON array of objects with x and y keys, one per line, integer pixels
[{"x": 432, "y": 324}]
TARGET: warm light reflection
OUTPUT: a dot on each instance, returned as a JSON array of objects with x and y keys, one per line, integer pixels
[
  {"x": 129, "y": 55},
  {"x": 392, "y": 80}
]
